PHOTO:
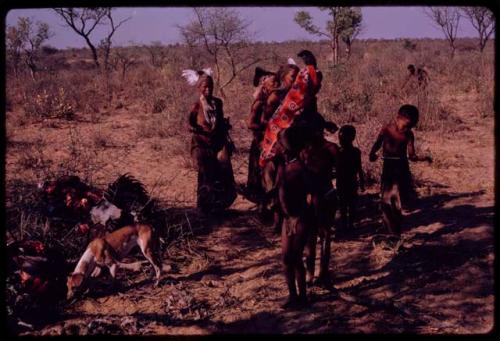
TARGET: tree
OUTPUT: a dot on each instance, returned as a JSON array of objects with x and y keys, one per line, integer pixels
[
  {"x": 349, "y": 26},
  {"x": 84, "y": 21},
  {"x": 345, "y": 24},
  {"x": 24, "y": 42},
  {"x": 123, "y": 61},
  {"x": 483, "y": 20},
  {"x": 105, "y": 43},
  {"x": 224, "y": 35},
  {"x": 447, "y": 18},
  {"x": 14, "y": 45}
]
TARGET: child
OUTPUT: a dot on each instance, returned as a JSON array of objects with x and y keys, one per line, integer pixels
[
  {"x": 319, "y": 158},
  {"x": 395, "y": 139},
  {"x": 292, "y": 194},
  {"x": 348, "y": 169}
]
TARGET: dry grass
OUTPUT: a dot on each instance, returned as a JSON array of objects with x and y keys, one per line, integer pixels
[
  {"x": 92, "y": 130},
  {"x": 106, "y": 126}
]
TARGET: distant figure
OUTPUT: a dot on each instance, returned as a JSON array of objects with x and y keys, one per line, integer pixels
[
  {"x": 397, "y": 142},
  {"x": 422, "y": 77},
  {"x": 417, "y": 79},
  {"x": 211, "y": 146},
  {"x": 349, "y": 169}
]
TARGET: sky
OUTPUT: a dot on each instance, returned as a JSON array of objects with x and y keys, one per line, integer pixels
[{"x": 148, "y": 24}]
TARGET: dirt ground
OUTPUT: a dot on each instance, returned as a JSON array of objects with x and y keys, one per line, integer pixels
[{"x": 439, "y": 281}]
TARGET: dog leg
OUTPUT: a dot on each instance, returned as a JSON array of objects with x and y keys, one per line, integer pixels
[
  {"x": 112, "y": 270},
  {"x": 152, "y": 258},
  {"x": 96, "y": 272}
]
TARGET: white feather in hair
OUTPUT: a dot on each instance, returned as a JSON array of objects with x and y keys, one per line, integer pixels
[
  {"x": 208, "y": 71},
  {"x": 291, "y": 61},
  {"x": 191, "y": 76}
]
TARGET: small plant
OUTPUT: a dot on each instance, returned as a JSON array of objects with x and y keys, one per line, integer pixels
[
  {"x": 159, "y": 104},
  {"x": 47, "y": 105}
]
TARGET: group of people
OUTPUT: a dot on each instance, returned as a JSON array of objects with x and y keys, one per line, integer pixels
[{"x": 292, "y": 164}]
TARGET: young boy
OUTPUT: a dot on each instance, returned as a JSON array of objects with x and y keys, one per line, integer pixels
[
  {"x": 348, "y": 170},
  {"x": 292, "y": 194},
  {"x": 319, "y": 158},
  {"x": 396, "y": 138}
]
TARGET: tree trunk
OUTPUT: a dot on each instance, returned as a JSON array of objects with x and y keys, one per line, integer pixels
[
  {"x": 94, "y": 51},
  {"x": 336, "y": 51}
]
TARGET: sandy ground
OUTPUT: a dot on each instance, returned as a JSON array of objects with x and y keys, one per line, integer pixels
[{"x": 440, "y": 280}]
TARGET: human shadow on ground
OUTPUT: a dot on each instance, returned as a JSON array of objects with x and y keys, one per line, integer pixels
[{"x": 447, "y": 261}]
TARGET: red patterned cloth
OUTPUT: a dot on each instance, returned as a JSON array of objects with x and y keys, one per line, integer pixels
[{"x": 303, "y": 90}]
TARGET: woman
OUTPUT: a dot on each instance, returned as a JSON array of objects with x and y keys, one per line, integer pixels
[
  {"x": 265, "y": 82},
  {"x": 211, "y": 146},
  {"x": 300, "y": 100}
]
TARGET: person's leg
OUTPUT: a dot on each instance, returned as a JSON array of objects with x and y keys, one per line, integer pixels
[
  {"x": 254, "y": 182},
  {"x": 310, "y": 250},
  {"x": 342, "y": 203},
  {"x": 386, "y": 205},
  {"x": 287, "y": 253},
  {"x": 300, "y": 241},
  {"x": 352, "y": 210},
  {"x": 327, "y": 210},
  {"x": 396, "y": 211}
]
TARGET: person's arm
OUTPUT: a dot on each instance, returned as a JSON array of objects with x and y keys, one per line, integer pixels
[
  {"x": 377, "y": 145},
  {"x": 360, "y": 170},
  {"x": 254, "y": 123},
  {"x": 193, "y": 122},
  {"x": 192, "y": 116},
  {"x": 411, "y": 150},
  {"x": 272, "y": 103}
]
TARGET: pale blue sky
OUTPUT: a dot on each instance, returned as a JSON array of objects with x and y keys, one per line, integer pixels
[{"x": 268, "y": 23}]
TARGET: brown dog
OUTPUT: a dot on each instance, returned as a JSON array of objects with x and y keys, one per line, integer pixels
[{"x": 109, "y": 250}]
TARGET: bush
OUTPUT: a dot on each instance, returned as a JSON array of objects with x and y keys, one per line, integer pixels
[{"x": 50, "y": 105}]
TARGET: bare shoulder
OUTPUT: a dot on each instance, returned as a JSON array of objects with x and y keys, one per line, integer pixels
[{"x": 332, "y": 146}]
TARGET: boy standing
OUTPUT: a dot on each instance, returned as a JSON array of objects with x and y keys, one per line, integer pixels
[
  {"x": 396, "y": 138},
  {"x": 348, "y": 170}
]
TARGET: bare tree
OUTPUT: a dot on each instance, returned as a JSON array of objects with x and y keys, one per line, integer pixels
[
  {"x": 123, "y": 61},
  {"x": 447, "y": 18},
  {"x": 105, "y": 43},
  {"x": 24, "y": 42},
  {"x": 84, "y": 21},
  {"x": 345, "y": 23},
  {"x": 224, "y": 35},
  {"x": 483, "y": 20}
]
